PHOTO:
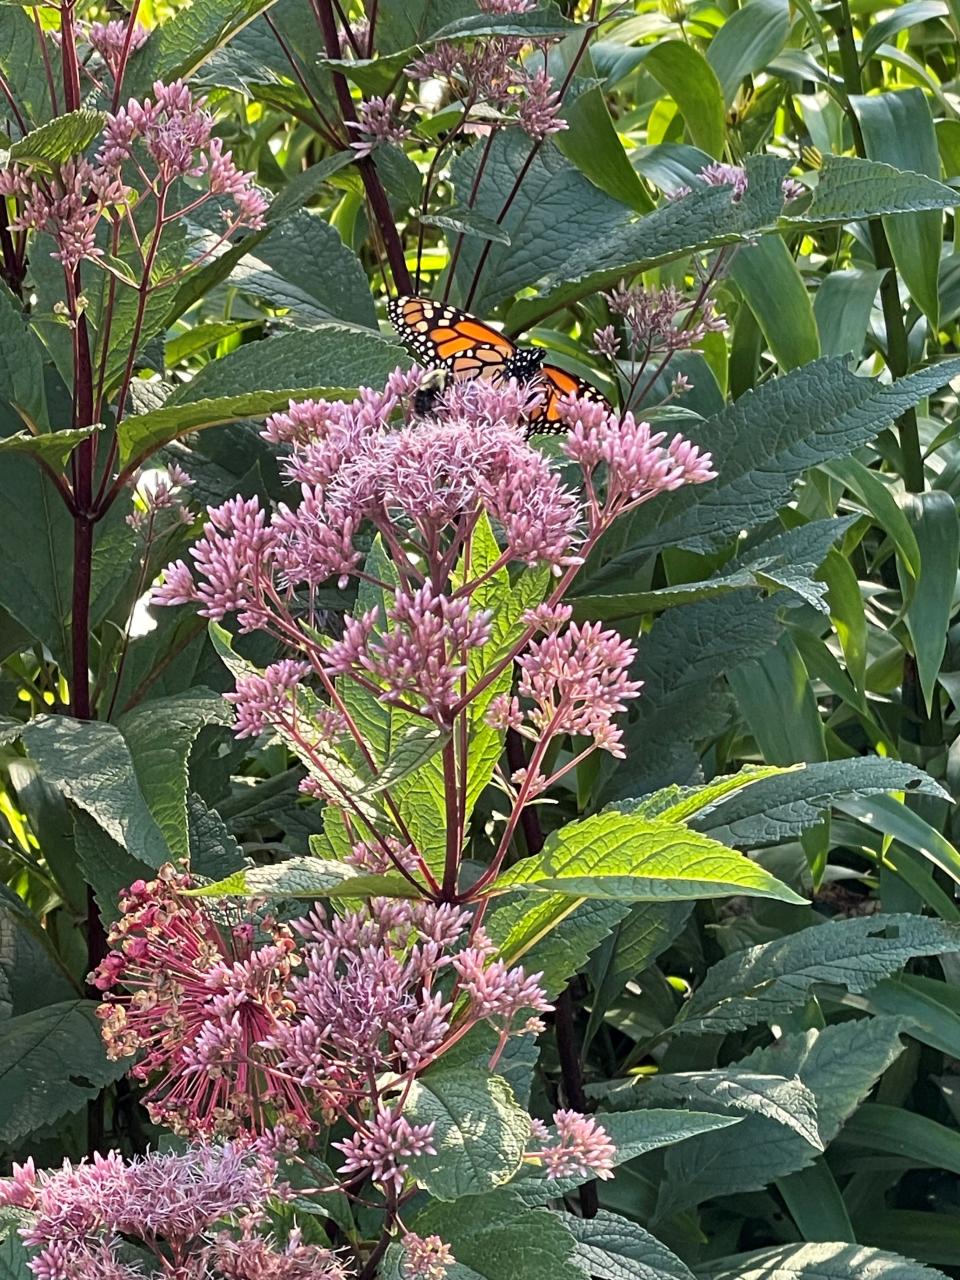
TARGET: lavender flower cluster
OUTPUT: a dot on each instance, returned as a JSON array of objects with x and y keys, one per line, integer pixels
[{"x": 193, "y": 1216}]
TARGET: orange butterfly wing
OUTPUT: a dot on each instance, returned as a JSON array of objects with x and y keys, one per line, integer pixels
[
  {"x": 444, "y": 337},
  {"x": 557, "y": 383}
]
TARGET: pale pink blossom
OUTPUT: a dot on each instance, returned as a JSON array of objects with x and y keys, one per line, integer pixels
[
  {"x": 577, "y": 1146},
  {"x": 425, "y": 1257}
]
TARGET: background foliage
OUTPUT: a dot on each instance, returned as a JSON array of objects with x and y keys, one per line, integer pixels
[{"x": 799, "y": 612}]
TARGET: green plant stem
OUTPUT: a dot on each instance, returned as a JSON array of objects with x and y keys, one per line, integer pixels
[{"x": 898, "y": 357}]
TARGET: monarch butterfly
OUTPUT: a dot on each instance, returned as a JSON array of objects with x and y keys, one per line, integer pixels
[{"x": 463, "y": 347}]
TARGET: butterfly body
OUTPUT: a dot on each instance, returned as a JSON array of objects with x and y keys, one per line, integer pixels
[{"x": 446, "y": 339}]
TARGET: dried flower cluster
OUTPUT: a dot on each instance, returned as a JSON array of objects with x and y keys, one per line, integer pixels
[{"x": 246, "y": 1029}]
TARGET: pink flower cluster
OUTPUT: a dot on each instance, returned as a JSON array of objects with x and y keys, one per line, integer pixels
[
  {"x": 109, "y": 39},
  {"x": 654, "y": 320},
  {"x": 239, "y": 1035},
  {"x": 176, "y": 132},
  {"x": 67, "y": 206},
  {"x": 494, "y": 71},
  {"x": 149, "y": 145},
  {"x": 378, "y": 121},
  {"x": 576, "y": 1146},
  {"x": 422, "y": 487},
  {"x": 80, "y": 1215}
]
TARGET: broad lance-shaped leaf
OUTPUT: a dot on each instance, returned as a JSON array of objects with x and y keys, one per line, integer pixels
[
  {"x": 306, "y": 878},
  {"x": 762, "y": 444},
  {"x": 52, "y": 1061},
  {"x": 21, "y": 370},
  {"x": 634, "y": 859},
  {"x": 480, "y": 1131},
  {"x": 261, "y": 378},
  {"x": 568, "y": 241},
  {"x": 772, "y": 807},
  {"x": 763, "y": 983},
  {"x": 52, "y": 447},
  {"x": 787, "y": 1101},
  {"x": 92, "y": 765},
  {"x": 48, "y": 146},
  {"x": 160, "y": 735},
  {"x": 838, "y": 1065},
  {"x": 613, "y": 1248},
  {"x": 820, "y": 1262},
  {"x": 789, "y": 559}
]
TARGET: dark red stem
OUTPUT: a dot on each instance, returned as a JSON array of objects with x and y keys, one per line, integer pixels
[{"x": 372, "y": 185}]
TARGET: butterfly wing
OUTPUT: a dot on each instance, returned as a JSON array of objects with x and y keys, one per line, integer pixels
[
  {"x": 442, "y": 337},
  {"x": 557, "y": 383}
]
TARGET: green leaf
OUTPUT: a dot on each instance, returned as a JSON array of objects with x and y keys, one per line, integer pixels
[
  {"x": 764, "y": 983},
  {"x": 60, "y": 139},
  {"x": 637, "y": 859},
  {"x": 815, "y": 1203},
  {"x": 842, "y": 307},
  {"x": 928, "y": 1007},
  {"x": 613, "y": 1248},
  {"x": 917, "y": 1138},
  {"x": 92, "y": 765},
  {"x": 691, "y": 81},
  {"x": 591, "y": 139},
  {"x": 779, "y": 807},
  {"x": 411, "y": 750},
  {"x": 789, "y": 559},
  {"x": 887, "y": 815},
  {"x": 469, "y": 223},
  {"x": 763, "y": 443},
  {"x": 552, "y": 934},
  {"x": 750, "y": 38},
  {"x": 632, "y": 1133},
  {"x": 838, "y": 1065},
  {"x": 882, "y": 505},
  {"x": 303, "y": 364},
  {"x": 303, "y": 266},
  {"x": 53, "y": 448},
  {"x": 480, "y": 1131},
  {"x": 686, "y": 656},
  {"x": 911, "y": 14},
  {"x": 36, "y": 583},
  {"x": 850, "y": 189},
  {"x": 21, "y": 369},
  {"x": 767, "y": 276},
  {"x": 144, "y": 434},
  {"x": 534, "y": 1244},
  {"x": 31, "y": 972},
  {"x": 160, "y": 736},
  {"x": 821, "y": 1262},
  {"x": 776, "y": 698},
  {"x": 786, "y": 1101},
  {"x": 933, "y": 518},
  {"x": 106, "y": 866},
  {"x": 182, "y": 43},
  {"x": 636, "y": 942},
  {"x": 14, "y": 1258},
  {"x": 681, "y": 804},
  {"x": 306, "y": 878},
  {"x": 52, "y": 1062},
  {"x": 214, "y": 853},
  {"x": 930, "y": 1237},
  {"x": 898, "y": 129}
]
